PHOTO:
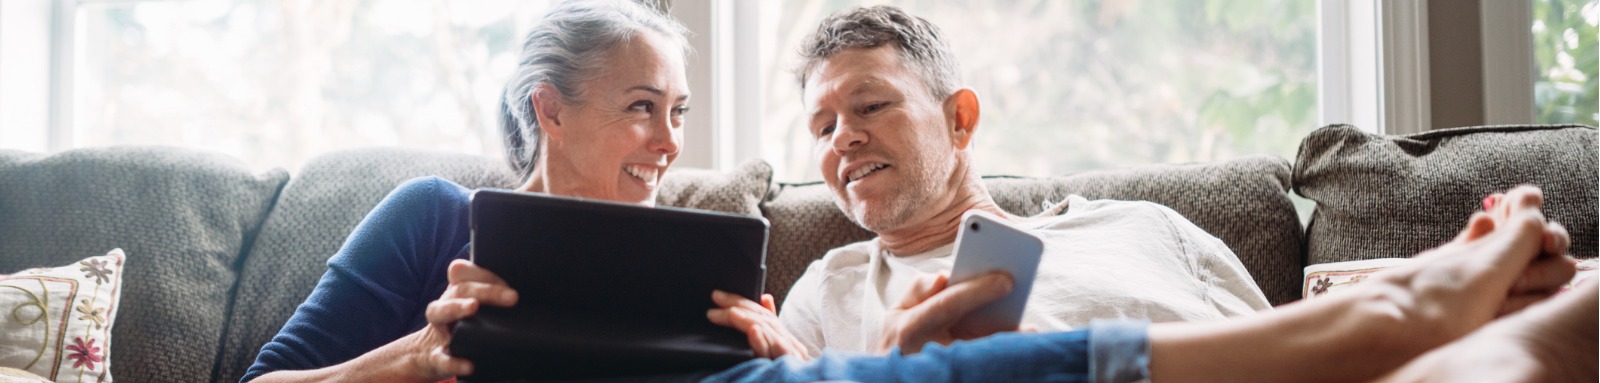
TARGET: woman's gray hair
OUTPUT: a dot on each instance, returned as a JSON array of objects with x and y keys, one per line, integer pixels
[
  {"x": 920, "y": 43},
  {"x": 565, "y": 50}
]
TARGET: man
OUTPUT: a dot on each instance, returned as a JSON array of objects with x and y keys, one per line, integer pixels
[{"x": 894, "y": 130}]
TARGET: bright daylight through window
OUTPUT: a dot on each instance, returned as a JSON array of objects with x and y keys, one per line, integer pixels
[
  {"x": 1066, "y": 86},
  {"x": 1069, "y": 86},
  {"x": 276, "y": 83}
]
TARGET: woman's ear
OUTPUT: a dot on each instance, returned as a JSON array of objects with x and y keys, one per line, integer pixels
[
  {"x": 547, "y": 108},
  {"x": 961, "y": 109}
]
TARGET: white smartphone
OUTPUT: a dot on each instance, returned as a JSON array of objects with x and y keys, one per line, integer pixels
[{"x": 985, "y": 244}]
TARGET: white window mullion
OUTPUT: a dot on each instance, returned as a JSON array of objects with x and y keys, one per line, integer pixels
[
  {"x": 1373, "y": 65},
  {"x": 1508, "y": 70},
  {"x": 1408, "y": 107},
  {"x": 62, "y": 45}
]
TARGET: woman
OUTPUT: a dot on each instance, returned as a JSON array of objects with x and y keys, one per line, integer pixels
[{"x": 595, "y": 111}]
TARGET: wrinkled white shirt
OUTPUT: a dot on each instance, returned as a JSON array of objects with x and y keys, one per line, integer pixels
[{"x": 1102, "y": 259}]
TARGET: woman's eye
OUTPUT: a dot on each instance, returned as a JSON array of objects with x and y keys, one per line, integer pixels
[
  {"x": 642, "y": 106},
  {"x": 874, "y": 107},
  {"x": 680, "y": 111}
]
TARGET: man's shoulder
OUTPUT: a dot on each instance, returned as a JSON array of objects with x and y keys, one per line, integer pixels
[{"x": 1081, "y": 211}]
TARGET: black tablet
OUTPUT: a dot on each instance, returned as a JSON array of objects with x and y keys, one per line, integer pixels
[{"x": 606, "y": 289}]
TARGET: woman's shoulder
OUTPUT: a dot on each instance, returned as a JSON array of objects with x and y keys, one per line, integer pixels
[
  {"x": 431, "y": 187},
  {"x": 428, "y": 193}
]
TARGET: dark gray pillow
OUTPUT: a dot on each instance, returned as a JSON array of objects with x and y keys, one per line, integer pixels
[
  {"x": 739, "y": 191},
  {"x": 183, "y": 218},
  {"x": 1394, "y": 196},
  {"x": 1241, "y": 201},
  {"x": 334, "y": 192}
]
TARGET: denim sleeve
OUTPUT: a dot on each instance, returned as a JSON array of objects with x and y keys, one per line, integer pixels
[
  {"x": 1119, "y": 350},
  {"x": 1108, "y": 351}
]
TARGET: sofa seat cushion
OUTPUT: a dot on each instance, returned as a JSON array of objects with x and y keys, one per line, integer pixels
[
  {"x": 1394, "y": 196},
  {"x": 182, "y": 216},
  {"x": 1242, "y": 201}
]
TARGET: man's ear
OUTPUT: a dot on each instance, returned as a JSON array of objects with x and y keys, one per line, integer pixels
[
  {"x": 547, "y": 108},
  {"x": 961, "y": 109}
]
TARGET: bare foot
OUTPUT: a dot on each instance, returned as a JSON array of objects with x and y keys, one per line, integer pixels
[
  {"x": 1554, "y": 341},
  {"x": 1541, "y": 279},
  {"x": 1501, "y": 262}
]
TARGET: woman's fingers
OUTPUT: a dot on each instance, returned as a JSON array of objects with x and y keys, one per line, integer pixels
[
  {"x": 462, "y": 270},
  {"x": 488, "y": 293},
  {"x": 450, "y": 310}
]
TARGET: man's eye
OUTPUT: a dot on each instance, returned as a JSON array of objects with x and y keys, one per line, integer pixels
[
  {"x": 825, "y": 131},
  {"x": 642, "y": 106},
  {"x": 874, "y": 107}
]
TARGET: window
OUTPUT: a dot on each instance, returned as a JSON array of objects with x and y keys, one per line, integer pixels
[
  {"x": 1067, "y": 86},
  {"x": 1565, "y": 59},
  {"x": 277, "y": 83}
]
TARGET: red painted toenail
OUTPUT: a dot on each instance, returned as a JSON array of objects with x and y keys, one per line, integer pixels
[{"x": 1488, "y": 202}]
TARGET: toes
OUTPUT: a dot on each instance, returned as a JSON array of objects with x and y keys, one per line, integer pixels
[
  {"x": 1556, "y": 239},
  {"x": 1478, "y": 225},
  {"x": 1525, "y": 197}
]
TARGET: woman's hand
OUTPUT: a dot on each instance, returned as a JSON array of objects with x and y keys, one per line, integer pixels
[
  {"x": 768, "y": 338},
  {"x": 419, "y": 357},
  {"x": 470, "y": 286}
]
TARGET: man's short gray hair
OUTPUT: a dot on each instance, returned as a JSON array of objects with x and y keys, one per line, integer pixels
[
  {"x": 920, "y": 43},
  {"x": 566, "y": 50}
]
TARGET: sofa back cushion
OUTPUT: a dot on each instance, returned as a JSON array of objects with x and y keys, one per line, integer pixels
[
  {"x": 1243, "y": 201},
  {"x": 333, "y": 192},
  {"x": 183, "y": 218},
  {"x": 1394, "y": 196}
]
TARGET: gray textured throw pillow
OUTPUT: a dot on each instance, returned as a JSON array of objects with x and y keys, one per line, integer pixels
[
  {"x": 1241, "y": 201},
  {"x": 183, "y": 218},
  {"x": 1394, "y": 196}
]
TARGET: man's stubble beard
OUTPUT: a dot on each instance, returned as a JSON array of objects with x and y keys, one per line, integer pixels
[{"x": 917, "y": 192}]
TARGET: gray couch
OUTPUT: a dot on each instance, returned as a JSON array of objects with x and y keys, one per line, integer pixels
[{"x": 219, "y": 256}]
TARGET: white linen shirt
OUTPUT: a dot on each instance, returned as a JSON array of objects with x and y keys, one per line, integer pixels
[{"x": 1102, "y": 259}]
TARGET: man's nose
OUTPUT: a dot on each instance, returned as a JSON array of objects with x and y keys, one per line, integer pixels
[{"x": 848, "y": 136}]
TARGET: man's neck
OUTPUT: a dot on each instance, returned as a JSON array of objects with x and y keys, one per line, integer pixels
[{"x": 941, "y": 228}]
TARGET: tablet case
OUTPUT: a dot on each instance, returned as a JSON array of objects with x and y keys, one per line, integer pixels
[{"x": 606, "y": 289}]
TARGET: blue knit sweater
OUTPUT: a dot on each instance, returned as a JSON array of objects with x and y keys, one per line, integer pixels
[{"x": 379, "y": 283}]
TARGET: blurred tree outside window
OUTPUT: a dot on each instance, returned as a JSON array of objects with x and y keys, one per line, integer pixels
[
  {"x": 1067, "y": 86},
  {"x": 278, "y": 82},
  {"x": 1565, "y": 56}
]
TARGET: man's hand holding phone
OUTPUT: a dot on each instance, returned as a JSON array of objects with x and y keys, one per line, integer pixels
[
  {"x": 932, "y": 308},
  {"x": 986, "y": 292}
]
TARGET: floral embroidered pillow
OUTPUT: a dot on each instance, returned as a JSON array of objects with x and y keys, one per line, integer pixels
[{"x": 56, "y": 322}]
